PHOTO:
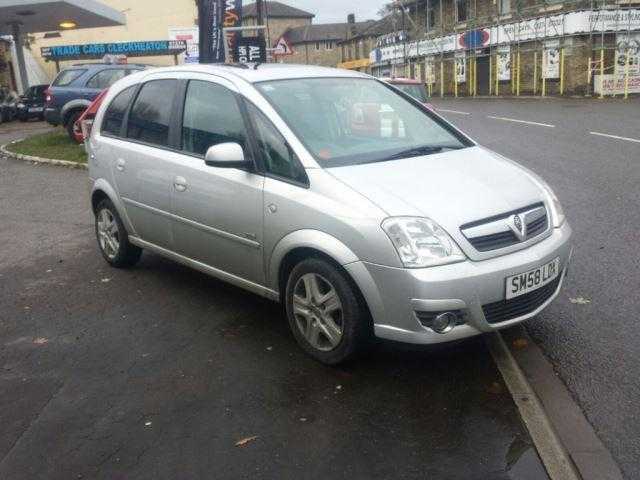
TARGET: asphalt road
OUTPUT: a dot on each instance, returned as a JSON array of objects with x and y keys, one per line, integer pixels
[
  {"x": 161, "y": 372},
  {"x": 591, "y": 332}
]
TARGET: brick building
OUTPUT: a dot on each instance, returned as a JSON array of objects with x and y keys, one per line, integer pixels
[
  {"x": 356, "y": 48},
  {"x": 278, "y": 17},
  {"x": 321, "y": 44},
  {"x": 467, "y": 47}
]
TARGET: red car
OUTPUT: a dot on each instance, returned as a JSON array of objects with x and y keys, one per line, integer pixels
[
  {"x": 415, "y": 88},
  {"x": 88, "y": 115}
]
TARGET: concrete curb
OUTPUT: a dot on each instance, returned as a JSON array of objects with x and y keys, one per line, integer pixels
[
  {"x": 39, "y": 160},
  {"x": 586, "y": 451}
]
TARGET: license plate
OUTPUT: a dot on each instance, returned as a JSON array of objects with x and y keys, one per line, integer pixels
[
  {"x": 36, "y": 109},
  {"x": 533, "y": 279}
]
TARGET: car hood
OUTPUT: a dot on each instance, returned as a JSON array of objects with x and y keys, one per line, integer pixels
[{"x": 453, "y": 188}]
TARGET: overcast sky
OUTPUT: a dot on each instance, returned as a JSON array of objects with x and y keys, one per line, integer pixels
[{"x": 330, "y": 11}]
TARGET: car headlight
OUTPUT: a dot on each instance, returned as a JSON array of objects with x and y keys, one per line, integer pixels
[
  {"x": 557, "y": 213},
  {"x": 421, "y": 242}
]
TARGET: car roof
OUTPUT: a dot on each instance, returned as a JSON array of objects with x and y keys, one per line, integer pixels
[{"x": 253, "y": 73}]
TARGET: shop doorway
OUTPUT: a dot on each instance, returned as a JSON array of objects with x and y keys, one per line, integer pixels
[{"x": 482, "y": 74}]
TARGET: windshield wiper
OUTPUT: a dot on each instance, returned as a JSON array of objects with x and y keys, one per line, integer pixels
[{"x": 418, "y": 151}]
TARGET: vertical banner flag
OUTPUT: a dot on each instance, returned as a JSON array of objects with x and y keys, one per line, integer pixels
[
  {"x": 210, "y": 18},
  {"x": 461, "y": 68},
  {"x": 504, "y": 63},
  {"x": 232, "y": 18},
  {"x": 551, "y": 59}
]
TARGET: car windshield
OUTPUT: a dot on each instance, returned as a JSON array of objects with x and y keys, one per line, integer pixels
[
  {"x": 348, "y": 121},
  {"x": 416, "y": 91}
]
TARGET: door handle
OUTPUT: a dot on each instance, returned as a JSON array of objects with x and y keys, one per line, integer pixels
[
  {"x": 180, "y": 184},
  {"x": 120, "y": 164}
]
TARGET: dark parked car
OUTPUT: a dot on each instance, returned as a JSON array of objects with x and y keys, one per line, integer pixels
[
  {"x": 76, "y": 87},
  {"x": 8, "y": 104},
  {"x": 31, "y": 104}
]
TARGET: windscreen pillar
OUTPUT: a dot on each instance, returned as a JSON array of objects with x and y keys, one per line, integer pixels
[{"x": 22, "y": 66}]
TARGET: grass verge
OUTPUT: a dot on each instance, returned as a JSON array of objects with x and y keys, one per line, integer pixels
[{"x": 53, "y": 145}]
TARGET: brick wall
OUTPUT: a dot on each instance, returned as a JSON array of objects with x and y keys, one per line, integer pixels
[
  {"x": 277, "y": 26},
  {"x": 306, "y": 53}
]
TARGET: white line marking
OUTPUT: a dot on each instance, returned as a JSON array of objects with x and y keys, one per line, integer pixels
[
  {"x": 522, "y": 121},
  {"x": 616, "y": 137},
  {"x": 452, "y": 111},
  {"x": 551, "y": 450}
]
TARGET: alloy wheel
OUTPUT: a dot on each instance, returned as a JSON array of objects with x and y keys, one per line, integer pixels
[
  {"x": 318, "y": 312},
  {"x": 108, "y": 233}
]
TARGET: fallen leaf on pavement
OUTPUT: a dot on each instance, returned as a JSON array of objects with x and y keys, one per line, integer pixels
[
  {"x": 244, "y": 441},
  {"x": 40, "y": 341},
  {"x": 580, "y": 301}
]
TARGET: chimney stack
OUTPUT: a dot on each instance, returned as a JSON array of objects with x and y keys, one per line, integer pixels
[{"x": 351, "y": 21}]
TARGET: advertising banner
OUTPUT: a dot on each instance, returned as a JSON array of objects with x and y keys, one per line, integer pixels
[
  {"x": 191, "y": 37},
  {"x": 250, "y": 50},
  {"x": 627, "y": 44},
  {"x": 504, "y": 63},
  {"x": 232, "y": 18},
  {"x": 614, "y": 84},
  {"x": 211, "y": 16},
  {"x": 429, "y": 71},
  {"x": 461, "y": 68},
  {"x": 99, "y": 50},
  {"x": 551, "y": 60}
]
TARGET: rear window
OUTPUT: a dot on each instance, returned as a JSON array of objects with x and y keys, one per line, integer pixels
[{"x": 67, "y": 77}]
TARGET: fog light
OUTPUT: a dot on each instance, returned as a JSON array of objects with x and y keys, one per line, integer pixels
[{"x": 444, "y": 322}]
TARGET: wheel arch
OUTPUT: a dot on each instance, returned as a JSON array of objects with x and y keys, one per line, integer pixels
[
  {"x": 73, "y": 106},
  {"x": 103, "y": 190}
]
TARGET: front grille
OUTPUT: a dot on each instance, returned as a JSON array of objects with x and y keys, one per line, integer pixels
[
  {"x": 502, "y": 235},
  {"x": 516, "y": 307},
  {"x": 494, "y": 242}
]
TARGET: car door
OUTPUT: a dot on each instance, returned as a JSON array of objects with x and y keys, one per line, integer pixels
[
  {"x": 142, "y": 161},
  {"x": 217, "y": 211}
]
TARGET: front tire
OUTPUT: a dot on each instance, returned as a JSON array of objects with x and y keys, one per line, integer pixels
[
  {"x": 326, "y": 313},
  {"x": 113, "y": 239}
]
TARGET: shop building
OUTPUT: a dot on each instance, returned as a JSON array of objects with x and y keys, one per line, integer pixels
[
  {"x": 356, "y": 48},
  {"x": 508, "y": 47},
  {"x": 277, "y": 17}
]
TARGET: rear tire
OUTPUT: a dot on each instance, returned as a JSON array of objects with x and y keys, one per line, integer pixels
[
  {"x": 73, "y": 118},
  {"x": 113, "y": 239},
  {"x": 326, "y": 313}
]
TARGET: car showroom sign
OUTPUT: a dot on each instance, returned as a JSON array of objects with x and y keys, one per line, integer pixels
[
  {"x": 99, "y": 50},
  {"x": 534, "y": 29}
]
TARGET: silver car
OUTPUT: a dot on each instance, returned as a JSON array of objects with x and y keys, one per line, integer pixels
[{"x": 362, "y": 211}]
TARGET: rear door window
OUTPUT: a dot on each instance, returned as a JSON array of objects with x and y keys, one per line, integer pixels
[
  {"x": 114, "y": 116},
  {"x": 151, "y": 113},
  {"x": 106, "y": 78},
  {"x": 67, "y": 77}
]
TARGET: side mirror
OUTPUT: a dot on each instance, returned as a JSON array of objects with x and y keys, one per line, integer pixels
[{"x": 226, "y": 155}]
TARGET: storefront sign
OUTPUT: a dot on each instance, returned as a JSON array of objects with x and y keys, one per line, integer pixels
[
  {"x": 392, "y": 39},
  {"x": 627, "y": 47},
  {"x": 504, "y": 63},
  {"x": 99, "y": 50},
  {"x": 615, "y": 84},
  {"x": 355, "y": 64},
  {"x": 534, "y": 29},
  {"x": 250, "y": 50}
]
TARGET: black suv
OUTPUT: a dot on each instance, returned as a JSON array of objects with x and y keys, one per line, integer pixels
[
  {"x": 31, "y": 104},
  {"x": 76, "y": 87}
]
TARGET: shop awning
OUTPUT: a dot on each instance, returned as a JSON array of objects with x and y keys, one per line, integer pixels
[{"x": 50, "y": 15}]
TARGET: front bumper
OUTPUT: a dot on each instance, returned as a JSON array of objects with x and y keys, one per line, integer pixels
[
  {"x": 394, "y": 295},
  {"x": 52, "y": 116}
]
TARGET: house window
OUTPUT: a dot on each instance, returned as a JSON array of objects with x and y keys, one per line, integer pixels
[
  {"x": 328, "y": 45},
  {"x": 317, "y": 45},
  {"x": 504, "y": 6},
  {"x": 432, "y": 8},
  {"x": 461, "y": 10}
]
